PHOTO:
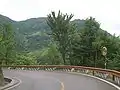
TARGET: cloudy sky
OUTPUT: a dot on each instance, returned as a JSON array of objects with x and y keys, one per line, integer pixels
[{"x": 105, "y": 11}]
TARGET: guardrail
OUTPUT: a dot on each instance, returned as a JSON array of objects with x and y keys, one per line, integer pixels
[{"x": 110, "y": 75}]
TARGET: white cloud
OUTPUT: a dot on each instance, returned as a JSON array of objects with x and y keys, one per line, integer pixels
[{"x": 105, "y": 11}]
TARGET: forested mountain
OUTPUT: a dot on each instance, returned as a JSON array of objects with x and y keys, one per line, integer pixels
[{"x": 32, "y": 34}]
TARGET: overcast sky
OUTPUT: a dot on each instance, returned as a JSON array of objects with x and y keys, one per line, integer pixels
[{"x": 107, "y": 12}]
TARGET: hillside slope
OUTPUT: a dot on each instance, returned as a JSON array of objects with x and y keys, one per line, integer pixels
[{"x": 32, "y": 34}]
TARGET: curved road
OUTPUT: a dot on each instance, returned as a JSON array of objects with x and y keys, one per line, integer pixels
[{"x": 43, "y": 80}]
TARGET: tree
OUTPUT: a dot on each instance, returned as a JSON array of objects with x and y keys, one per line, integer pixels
[
  {"x": 85, "y": 49},
  {"x": 24, "y": 59},
  {"x": 9, "y": 44},
  {"x": 91, "y": 29},
  {"x": 2, "y": 48},
  {"x": 6, "y": 46},
  {"x": 50, "y": 56},
  {"x": 61, "y": 28}
]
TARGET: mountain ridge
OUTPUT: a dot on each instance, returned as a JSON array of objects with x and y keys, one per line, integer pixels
[{"x": 32, "y": 34}]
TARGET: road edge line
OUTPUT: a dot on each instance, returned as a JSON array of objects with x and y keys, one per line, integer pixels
[
  {"x": 112, "y": 84},
  {"x": 15, "y": 85}
]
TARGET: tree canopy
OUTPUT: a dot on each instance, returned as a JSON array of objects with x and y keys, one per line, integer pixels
[
  {"x": 61, "y": 30},
  {"x": 7, "y": 44}
]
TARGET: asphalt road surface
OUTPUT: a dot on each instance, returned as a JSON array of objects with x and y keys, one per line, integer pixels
[{"x": 43, "y": 80}]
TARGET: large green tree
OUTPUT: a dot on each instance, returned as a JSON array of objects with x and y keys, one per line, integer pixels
[
  {"x": 6, "y": 46},
  {"x": 1, "y": 53},
  {"x": 85, "y": 48},
  {"x": 61, "y": 31}
]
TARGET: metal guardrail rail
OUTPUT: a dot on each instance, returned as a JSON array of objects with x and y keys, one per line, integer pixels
[{"x": 110, "y": 75}]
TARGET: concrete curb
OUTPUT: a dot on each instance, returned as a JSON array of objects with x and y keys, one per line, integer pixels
[
  {"x": 113, "y": 85},
  {"x": 14, "y": 83}
]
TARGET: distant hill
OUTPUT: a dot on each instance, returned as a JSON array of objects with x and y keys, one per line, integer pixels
[
  {"x": 31, "y": 34},
  {"x": 4, "y": 19}
]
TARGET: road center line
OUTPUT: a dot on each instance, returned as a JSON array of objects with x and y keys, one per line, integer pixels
[{"x": 62, "y": 85}]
